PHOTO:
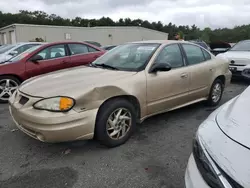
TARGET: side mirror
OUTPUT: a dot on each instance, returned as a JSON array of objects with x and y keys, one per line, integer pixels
[
  {"x": 160, "y": 67},
  {"x": 36, "y": 58},
  {"x": 13, "y": 53}
]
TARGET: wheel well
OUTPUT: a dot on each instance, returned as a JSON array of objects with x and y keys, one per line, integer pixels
[
  {"x": 222, "y": 78},
  {"x": 130, "y": 98},
  {"x": 13, "y": 75}
]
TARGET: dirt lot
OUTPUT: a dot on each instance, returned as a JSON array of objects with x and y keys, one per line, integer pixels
[{"x": 156, "y": 156}]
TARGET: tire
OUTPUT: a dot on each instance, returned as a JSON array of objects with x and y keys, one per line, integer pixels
[
  {"x": 8, "y": 84},
  {"x": 212, "y": 100},
  {"x": 107, "y": 111}
]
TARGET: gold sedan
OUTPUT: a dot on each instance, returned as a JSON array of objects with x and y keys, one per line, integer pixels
[{"x": 125, "y": 86}]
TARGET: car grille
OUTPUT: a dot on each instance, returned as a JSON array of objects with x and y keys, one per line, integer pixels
[
  {"x": 206, "y": 170},
  {"x": 23, "y": 100},
  {"x": 240, "y": 65}
]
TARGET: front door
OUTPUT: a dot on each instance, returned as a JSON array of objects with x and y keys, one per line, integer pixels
[
  {"x": 53, "y": 58},
  {"x": 167, "y": 90}
]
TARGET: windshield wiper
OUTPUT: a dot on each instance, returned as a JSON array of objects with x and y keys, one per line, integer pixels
[{"x": 105, "y": 66}]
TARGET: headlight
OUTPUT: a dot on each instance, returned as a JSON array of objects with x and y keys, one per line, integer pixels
[
  {"x": 206, "y": 169},
  {"x": 55, "y": 104}
]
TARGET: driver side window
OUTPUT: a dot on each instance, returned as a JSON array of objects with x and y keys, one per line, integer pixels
[{"x": 171, "y": 54}]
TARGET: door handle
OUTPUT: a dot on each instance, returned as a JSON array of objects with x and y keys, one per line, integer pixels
[
  {"x": 65, "y": 62},
  {"x": 184, "y": 75},
  {"x": 211, "y": 69}
]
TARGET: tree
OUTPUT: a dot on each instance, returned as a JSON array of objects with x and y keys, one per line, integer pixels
[{"x": 190, "y": 32}]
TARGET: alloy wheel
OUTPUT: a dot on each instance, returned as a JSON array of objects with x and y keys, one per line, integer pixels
[
  {"x": 7, "y": 88},
  {"x": 119, "y": 123},
  {"x": 216, "y": 92}
]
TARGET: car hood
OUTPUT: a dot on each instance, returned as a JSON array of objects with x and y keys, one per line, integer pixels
[
  {"x": 226, "y": 141},
  {"x": 234, "y": 120},
  {"x": 235, "y": 55},
  {"x": 72, "y": 82}
]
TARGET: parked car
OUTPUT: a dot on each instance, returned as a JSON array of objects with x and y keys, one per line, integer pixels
[
  {"x": 201, "y": 43},
  {"x": 3, "y": 45},
  {"x": 238, "y": 56},
  {"x": 221, "y": 153},
  {"x": 9, "y": 51},
  {"x": 43, "y": 59},
  {"x": 94, "y": 43},
  {"x": 109, "y": 47},
  {"x": 107, "y": 98},
  {"x": 219, "y": 47},
  {"x": 246, "y": 72},
  {"x": 217, "y": 51}
]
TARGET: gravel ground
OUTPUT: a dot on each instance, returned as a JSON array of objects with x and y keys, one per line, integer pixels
[{"x": 156, "y": 156}]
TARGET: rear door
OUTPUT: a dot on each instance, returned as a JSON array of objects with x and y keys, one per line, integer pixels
[
  {"x": 82, "y": 54},
  {"x": 54, "y": 58},
  {"x": 201, "y": 69}
]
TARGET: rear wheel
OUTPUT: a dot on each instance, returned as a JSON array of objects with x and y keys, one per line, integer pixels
[
  {"x": 8, "y": 84},
  {"x": 215, "y": 93},
  {"x": 115, "y": 122}
]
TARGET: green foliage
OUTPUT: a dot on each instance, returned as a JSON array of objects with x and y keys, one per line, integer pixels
[
  {"x": 181, "y": 34},
  {"x": 189, "y": 32}
]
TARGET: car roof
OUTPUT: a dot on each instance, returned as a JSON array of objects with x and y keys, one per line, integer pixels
[
  {"x": 67, "y": 42},
  {"x": 160, "y": 41},
  {"x": 22, "y": 43},
  {"x": 108, "y": 46}
]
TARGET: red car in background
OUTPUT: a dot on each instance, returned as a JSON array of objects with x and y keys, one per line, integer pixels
[{"x": 44, "y": 59}]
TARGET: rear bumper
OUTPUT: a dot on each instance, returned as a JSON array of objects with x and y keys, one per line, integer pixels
[{"x": 193, "y": 178}]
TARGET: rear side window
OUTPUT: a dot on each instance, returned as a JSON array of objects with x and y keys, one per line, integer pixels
[
  {"x": 78, "y": 49},
  {"x": 193, "y": 53},
  {"x": 206, "y": 55},
  {"x": 92, "y": 49}
]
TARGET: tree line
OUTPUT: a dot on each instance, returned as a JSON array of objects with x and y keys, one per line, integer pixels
[{"x": 190, "y": 32}]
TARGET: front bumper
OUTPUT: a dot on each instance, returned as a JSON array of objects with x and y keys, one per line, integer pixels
[
  {"x": 50, "y": 126},
  {"x": 193, "y": 178},
  {"x": 238, "y": 70}
]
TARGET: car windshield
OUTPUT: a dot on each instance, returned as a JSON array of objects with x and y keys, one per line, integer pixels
[
  {"x": 24, "y": 54},
  {"x": 241, "y": 46},
  {"x": 6, "y": 48},
  {"x": 127, "y": 57}
]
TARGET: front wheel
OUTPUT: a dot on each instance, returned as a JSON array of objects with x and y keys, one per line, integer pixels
[
  {"x": 8, "y": 84},
  {"x": 116, "y": 121},
  {"x": 215, "y": 93}
]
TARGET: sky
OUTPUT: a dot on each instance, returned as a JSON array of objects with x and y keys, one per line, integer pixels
[{"x": 203, "y": 13}]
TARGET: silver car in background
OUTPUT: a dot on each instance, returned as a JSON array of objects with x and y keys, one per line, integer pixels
[
  {"x": 11, "y": 50},
  {"x": 221, "y": 148},
  {"x": 238, "y": 57}
]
